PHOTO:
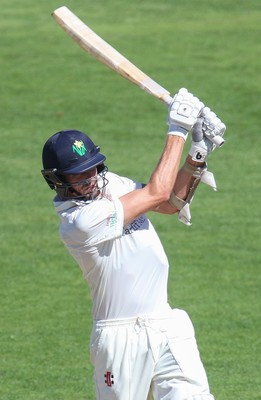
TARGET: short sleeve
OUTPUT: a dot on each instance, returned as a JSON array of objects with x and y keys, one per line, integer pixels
[{"x": 99, "y": 221}]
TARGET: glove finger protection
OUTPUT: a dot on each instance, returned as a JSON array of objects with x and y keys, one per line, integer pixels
[
  {"x": 213, "y": 127},
  {"x": 183, "y": 113}
]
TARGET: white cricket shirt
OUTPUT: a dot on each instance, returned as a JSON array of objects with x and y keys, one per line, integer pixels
[{"x": 125, "y": 266}]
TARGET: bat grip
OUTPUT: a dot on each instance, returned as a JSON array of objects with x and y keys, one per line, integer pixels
[{"x": 167, "y": 99}]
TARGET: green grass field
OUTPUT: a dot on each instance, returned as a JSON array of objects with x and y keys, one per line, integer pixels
[{"x": 48, "y": 83}]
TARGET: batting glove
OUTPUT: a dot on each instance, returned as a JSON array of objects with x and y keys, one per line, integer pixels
[
  {"x": 213, "y": 127},
  {"x": 207, "y": 135},
  {"x": 183, "y": 113}
]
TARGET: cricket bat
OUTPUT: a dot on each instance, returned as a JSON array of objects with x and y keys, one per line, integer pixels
[{"x": 106, "y": 54}]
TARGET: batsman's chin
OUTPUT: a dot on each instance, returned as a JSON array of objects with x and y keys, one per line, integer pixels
[{"x": 94, "y": 195}]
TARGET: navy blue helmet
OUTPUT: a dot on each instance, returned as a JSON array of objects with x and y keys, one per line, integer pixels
[{"x": 70, "y": 152}]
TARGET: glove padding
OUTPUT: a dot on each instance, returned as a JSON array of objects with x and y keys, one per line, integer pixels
[
  {"x": 213, "y": 127},
  {"x": 183, "y": 113},
  {"x": 207, "y": 134}
]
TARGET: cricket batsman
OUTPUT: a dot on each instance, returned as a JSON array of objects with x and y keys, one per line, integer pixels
[{"x": 141, "y": 348}]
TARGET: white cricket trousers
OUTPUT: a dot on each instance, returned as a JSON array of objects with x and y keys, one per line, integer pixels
[{"x": 144, "y": 358}]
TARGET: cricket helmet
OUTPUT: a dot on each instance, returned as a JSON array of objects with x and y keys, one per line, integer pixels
[{"x": 70, "y": 152}]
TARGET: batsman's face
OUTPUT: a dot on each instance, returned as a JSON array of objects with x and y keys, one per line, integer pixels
[{"x": 85, "y": 183}]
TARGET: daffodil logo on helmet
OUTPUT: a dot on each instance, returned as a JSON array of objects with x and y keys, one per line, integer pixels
[{"x": 79, "y": 148}]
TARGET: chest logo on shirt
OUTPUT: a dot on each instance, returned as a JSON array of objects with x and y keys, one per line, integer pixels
[
  {"x": 134, "y": 225},
  {"x": 79, "y": 148}
]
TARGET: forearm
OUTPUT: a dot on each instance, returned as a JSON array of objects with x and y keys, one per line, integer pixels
[
  {"x": 159, "y": 188},
  {"x": 182, "y": 186},
  {"x": 156, "y": 195},
  {"x": 165, "y": 174},
  {"x": 184, "y": 180},
  {"x": 207, "y": 134}
]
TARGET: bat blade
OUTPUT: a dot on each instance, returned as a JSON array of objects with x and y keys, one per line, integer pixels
[{"x": 106, "y": 54}]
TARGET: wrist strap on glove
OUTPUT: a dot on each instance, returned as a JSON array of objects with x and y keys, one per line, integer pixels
[
  {"x": 176, "y": 130},
  {"x": 201, "y": 174}
]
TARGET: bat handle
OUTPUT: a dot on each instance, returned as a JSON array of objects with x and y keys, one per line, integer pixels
[
  {"x": 167, "y": 99},
  {"x": 216, "y": 140}
]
